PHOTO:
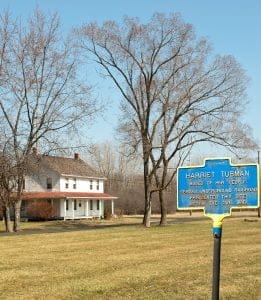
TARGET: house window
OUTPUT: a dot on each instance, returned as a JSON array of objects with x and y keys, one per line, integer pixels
[
  {"x": 75, "y": 204},
  {"x": 74, "y": 185},
  {"x": 98, "y": 204},
  {"x": 23, "y": 184},
  {"x": 66, "y": 183},
  {"x": 91, "y": 205},
  {"x": 67, "y": 204},
  {"x": 97, "y": 185},
  {"x": 91, "y": 185},
  {"x": 49, "y": 183}
]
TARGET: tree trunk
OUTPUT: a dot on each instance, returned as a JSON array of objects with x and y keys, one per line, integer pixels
[
  {"x": 6, "y": 215},
  {"x": 147, "y": 212},
  {"x": 147, "y": 202},
  {"x": 163, "y": 208},
  {"x": 17, "y": 218},
  {"x": 147, "y": 209}
]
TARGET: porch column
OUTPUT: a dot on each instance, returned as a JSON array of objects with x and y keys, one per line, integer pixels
[
  {"x": 64, "y": 209},
  {"x": 112, "y": 206},
  {"x": 86, "y": 208},
  {"x": 72, "y": 201},
  {"x": 100, "y": 208}
]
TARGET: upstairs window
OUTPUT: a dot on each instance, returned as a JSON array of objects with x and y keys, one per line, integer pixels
[
  {"x": 91, "y": 185},
  {"x": 49, "y": 185},
  {"x": 97, "y": 185},
  {"x": 74, "y": 184},
  {"x": 66, "y": 183}
]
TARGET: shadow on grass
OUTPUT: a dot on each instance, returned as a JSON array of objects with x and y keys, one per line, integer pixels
[
  {"x": 81, "y": 225},
  {"x": 135, "y": 221}
]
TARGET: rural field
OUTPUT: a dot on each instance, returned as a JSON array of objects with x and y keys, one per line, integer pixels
[{"x": 120, "y": 259}]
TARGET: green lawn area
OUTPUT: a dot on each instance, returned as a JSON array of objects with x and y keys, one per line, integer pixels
[{"x": 129, "y": 261}]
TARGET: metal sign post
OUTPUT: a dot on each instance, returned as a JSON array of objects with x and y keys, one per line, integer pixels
[
  {"x": 217, "y": 235},
  {"x": 217, "y": 187}
]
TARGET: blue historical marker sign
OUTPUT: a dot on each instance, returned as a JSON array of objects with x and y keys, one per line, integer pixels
[{"x": 218, "y": 186}]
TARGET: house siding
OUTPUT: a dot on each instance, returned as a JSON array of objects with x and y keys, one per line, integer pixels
[
  {"x": 82, "y": 184},
  {"x": 37, "y": 182}
]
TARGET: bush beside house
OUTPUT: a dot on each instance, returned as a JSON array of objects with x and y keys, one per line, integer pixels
[{"x": 41, "y": 210}]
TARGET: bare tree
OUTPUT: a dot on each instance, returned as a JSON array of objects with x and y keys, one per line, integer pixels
[
  {"x": 123, "y": 174},
  {"x": 103, "y": 158},
  {"x": 194, "y": 118},
  {"x": 42, "y": 97},
  {"x": 175, "y": 93},
  {"x": 7, "y": 187},
  {"x": 113, "y": 162}
]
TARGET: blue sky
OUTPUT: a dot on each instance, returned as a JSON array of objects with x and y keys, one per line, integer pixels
[{"x": 232, "y": 26}]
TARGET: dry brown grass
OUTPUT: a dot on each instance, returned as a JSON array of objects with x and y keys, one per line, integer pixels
[{"x": 130, "y": 262}]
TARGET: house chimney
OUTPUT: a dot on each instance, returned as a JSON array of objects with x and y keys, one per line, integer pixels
[
  {"x": 35, "y": 152},
  {"x": 76, "y": 156}
]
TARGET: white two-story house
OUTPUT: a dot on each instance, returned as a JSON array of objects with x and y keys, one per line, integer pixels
[{"x": 69, "y": 184}]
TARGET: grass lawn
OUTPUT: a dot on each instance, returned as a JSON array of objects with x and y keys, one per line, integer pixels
[{"x": 129, "y": 261}]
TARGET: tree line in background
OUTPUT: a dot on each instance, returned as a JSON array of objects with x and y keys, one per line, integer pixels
[
  {"x": 125, "y": 179},
  {"x": 175, "y": 94}
]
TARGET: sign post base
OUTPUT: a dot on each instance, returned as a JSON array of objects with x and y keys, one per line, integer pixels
[
  {"x": 216, "y": 264},
  {"x": 217, "y": 235}
]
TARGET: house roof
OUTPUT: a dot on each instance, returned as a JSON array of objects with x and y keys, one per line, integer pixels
[
  {"x": 65, "y": 195},
  {"x": 63, "y": 166}
]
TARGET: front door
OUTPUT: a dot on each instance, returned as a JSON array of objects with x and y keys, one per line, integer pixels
[{"x": 78, "y": 206}]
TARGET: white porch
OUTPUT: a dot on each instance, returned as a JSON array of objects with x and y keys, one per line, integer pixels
[{"x": 81, "y": 208}]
